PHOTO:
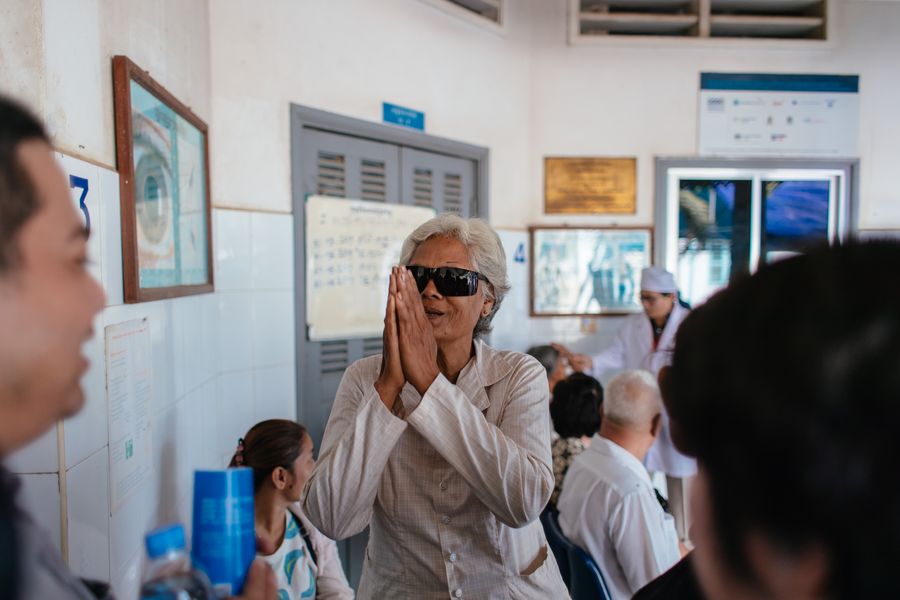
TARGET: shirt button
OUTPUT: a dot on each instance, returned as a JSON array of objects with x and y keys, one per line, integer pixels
[
  {"x": 443, "y": 486},
  {"x": 445, "y": 519},
  {"x": 458, "y": 593},
  {"x": 453, "y": 557}
]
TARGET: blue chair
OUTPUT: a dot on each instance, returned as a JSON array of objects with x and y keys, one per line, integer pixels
[
  {"x": 587, "y": 581},
  {"x": 558, "y": 543}
]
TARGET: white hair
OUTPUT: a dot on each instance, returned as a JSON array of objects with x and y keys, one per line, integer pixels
[
  {"x": 632, "y": 399},
  {"x": 485, "y": 252}
]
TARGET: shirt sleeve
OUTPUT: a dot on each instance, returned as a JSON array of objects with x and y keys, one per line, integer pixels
[
  {"x": 644, "y": 538},
  {"x": 360, "y": 435},
  {"x": 507, "y": 466}
]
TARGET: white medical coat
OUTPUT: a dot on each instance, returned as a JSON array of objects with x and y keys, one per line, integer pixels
[{"x": 633, "y": 349}]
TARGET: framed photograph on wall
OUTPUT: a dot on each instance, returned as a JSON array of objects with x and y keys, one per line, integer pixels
[
  {"x": 163, "y": 163},
  {"x": 588, "y": 271}
]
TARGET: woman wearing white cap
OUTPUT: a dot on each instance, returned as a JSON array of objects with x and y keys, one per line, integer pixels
[{"x": 647, "y": 341}]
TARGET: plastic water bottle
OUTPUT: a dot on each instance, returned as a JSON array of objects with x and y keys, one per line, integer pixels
[{"x": 170, "y": 575}]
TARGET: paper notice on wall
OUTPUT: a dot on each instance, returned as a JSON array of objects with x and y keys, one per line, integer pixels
[{"x": 129, "y": 390}]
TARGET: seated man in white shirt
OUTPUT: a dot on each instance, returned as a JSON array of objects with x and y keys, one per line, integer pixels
[{"x": 608, "y": 506}]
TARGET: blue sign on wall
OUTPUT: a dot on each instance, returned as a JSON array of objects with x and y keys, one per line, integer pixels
[{"x": 400, "y": 115}]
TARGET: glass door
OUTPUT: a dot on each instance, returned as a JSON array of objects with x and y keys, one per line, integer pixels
[{"x": 718, "y": 223}]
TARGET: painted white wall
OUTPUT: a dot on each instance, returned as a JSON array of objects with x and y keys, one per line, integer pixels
[{"x": 347, "y": 56}]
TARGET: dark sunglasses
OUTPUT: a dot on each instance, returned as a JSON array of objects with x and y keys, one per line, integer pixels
[{"x": 449, "y": 281}]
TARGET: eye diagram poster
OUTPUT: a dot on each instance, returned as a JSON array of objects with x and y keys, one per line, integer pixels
[
  {"x": 129, "y": 389},
  {"x": 351, "y": 246},
  {"x": 778, "y": 115}
]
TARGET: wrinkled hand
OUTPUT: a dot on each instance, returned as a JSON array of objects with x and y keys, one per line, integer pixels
[
  {"x": 418, "y": 350},
  {"x": 390, "y": 379},
  {"x": 579, "y": 362},
  {"x": 260, "y": 584}
]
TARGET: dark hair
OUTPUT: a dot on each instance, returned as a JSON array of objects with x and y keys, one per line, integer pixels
[
  {"x": 786, "y": 387},
  {"x": 268, "y": 445},
  {"x": 18, "y": 199},
  {"x": 575, "y": 409},
  {"x": 546, "y": 355}
]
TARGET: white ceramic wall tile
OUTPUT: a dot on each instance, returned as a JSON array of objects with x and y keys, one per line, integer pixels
[
  {"x": 211, "y": 448},
  {"x": 273, "y": 332},
  {"x": 87, "y": 432},
  {"x": 208, "y": 342},
  {"x": 75, "y": 86},
  {"x": 111, "y": 237},
  {"x": 274, "y": 392},
  {"x": 139, "y": 514},
  {"x": 88, "y": 517},
  {"x": 40, "y": 456},
  {"x": 231, "y": 238},
  {"x": 235, "y": 330},
  {"x": 273, "y": 251},
  {"x": 235, "y": 411},
  {"x": 126, "y": 578},
  {"x": 40, "y": 496},
  {"x": 198, "y": 332}
]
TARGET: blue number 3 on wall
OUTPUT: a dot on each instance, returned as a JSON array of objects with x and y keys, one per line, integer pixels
[{"x": 82, "y": 184}]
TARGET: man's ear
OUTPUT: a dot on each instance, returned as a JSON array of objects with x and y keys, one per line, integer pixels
[
  {"x": 788, "y": 575},
  {"x": 656, "y": 424}
]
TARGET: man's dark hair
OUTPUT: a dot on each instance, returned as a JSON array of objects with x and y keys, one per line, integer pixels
[
  {"x": 786, "y": 387},
  {"x": 575, "y": 409},
  {"x": 18, "y": 199}
]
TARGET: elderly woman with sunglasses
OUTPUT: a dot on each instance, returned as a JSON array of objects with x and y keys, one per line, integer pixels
[{"x": 441, "y": 445}]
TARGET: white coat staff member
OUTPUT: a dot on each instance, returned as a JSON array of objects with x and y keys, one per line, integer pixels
[{"x": 647, "y": 341}]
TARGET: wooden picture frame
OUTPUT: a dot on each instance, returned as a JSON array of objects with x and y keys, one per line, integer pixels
[
  {"x": 587, "y": 271},
  {"x": 162, "y": 155},
  {"x": 593, "y": 185}
]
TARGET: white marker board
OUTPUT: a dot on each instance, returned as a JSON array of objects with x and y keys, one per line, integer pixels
[{"x": 351, "y": 246}]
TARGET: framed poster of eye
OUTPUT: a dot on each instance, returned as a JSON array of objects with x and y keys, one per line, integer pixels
[
  {"x": 587, "y": 272},
  {"x": 163, "y": 162}
]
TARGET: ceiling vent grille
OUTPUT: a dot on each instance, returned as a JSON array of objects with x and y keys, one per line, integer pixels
[{"x": 592, "y": 20}]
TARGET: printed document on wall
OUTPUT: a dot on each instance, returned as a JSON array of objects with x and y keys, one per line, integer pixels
[
  {"x": 129, "y": 389},
  {"x": 751, "y": 114}
]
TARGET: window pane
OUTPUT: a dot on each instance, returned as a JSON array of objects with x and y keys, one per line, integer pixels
[
  {"x": 713, "y": 235},
  {"x": 795, "y": 217}
]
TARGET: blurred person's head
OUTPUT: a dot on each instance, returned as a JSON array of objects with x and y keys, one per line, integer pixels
[
  {"x": 47, "y": 297},
  {"x": 658, "y": 292},
  {"x": 786, "y": 387},
  {"x": 631, "y": 409},
  {"x": 551, "y": 359},
  {"x": 280, "y": 452},
  {"x": 576, "y": 406}
]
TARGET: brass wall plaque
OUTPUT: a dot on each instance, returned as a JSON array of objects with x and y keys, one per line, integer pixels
[{"x": 590, "y": 185}]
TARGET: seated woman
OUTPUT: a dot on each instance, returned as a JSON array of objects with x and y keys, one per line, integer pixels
[
  {"x": 306, "y": 563},
  {"x": 441, "y": 445},
  {"x": 575, "y": 410}
]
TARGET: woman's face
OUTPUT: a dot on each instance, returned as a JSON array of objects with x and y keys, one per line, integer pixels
[
  {"x": 657, "y": 306},
  {"x": 302, "y": 468},
  {"x": 452, "y": 318}
]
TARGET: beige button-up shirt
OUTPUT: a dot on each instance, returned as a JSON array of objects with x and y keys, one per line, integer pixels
[{"x": 451, "y": 494}]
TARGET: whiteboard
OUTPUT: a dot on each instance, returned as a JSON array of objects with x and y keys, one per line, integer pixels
[{"x": 351, "y": 246}]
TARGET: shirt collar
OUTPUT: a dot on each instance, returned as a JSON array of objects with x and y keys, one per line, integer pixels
[
  {"x": 483, "y": 370},
  {"x": 620, "y": 455}
]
